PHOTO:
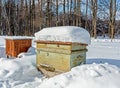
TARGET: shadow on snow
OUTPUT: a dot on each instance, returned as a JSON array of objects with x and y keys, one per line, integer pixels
[
  {"x": 2, "y": 52},
  {"x": 103, "y": 60}
]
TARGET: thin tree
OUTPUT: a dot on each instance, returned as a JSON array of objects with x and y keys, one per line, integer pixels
[
  {"x": 112, "y": 18},
  {"x": 94, "y": 16},
  {"x": 30, "y": 17},
  {"x": 26, "y": 18},
  {"x": 21, "y": 17},
  {"x": 64, "y": 13},
  {"x": 33, "y": 16},
  {"x": 48, "y": 13},
  {"x": 57, "y": 12},
  {"x": 1, "y": 17},
  {"x": 7, "y": 16},
  {"x": 51, "y": 12},
  {"x": 70, "y": 14},
  {"x": 74, "y": 12},
  {"x": 86, "y": 14},
  {"x": 40, "y": 13},
  {"x": 78, "y": 18}
]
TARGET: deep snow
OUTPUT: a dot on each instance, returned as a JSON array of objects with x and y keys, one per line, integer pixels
[{"x": 101, "y": 71}]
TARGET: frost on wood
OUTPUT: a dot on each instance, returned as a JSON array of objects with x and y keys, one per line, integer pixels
[{"x": 64, "y": 34}]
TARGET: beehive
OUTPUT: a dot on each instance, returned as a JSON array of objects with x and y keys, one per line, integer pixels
[
  {"x": 14, "y": 46},
  {"x": 61, "y": 48},
  {"x": 59, "y": 56}
]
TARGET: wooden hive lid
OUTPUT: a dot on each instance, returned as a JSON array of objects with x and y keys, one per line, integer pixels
[{"x": 59, "y": 42}]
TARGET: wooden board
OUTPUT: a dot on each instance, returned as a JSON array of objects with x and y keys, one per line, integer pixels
[{"x": 47, "y": 73}]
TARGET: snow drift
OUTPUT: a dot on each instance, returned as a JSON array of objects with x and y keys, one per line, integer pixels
[{"x": 86, "y": 76}]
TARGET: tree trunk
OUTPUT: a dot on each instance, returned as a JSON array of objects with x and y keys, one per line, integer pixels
[
  {"x": 112, "y": 18},
  {"x": 56, "y": 12},
  {"x": 86, "y": 17},
  {"x": 70, "y": 14},
  {"x": 26, "y": 18},
  {"x": 94, "y": 16},
  {"x": 78, "y": 18},
  {"x": 30, "y": 17},
  {"x": 74, "y": 20},
  {"x": 33, "y": 17},
  {"x": 64, "y": 12},
  {"x": 1, "y": 31}
]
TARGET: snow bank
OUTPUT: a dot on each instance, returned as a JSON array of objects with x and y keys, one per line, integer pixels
[
  {"x": 86, "y": 76},
  {"x": 16, "y": 72},
  {"x": 64, "y": 34}
]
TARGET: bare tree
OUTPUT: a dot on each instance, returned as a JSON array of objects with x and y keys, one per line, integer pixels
[
  {"x": 78, "y": 13},
  {"x": 1, "y": 16},
  {"x": 33, "y": 17},
  {"x": 70, "y": 14},
  {"x": 26, "y": 18},
  {"x": 74, "y": 12},
  {"x": 86, "y": 13},
  {"x": 57, "y": 12},
  {"x": 64, "y": 13},
  {"x": 48, "y": 13},
  {"x": 94, "y": 16},
  {"x": 112, "y": 18},
  {"x": 40, "y": 13}
]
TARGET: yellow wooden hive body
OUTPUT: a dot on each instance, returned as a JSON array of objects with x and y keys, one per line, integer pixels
[{"x": 60, "y": 56}]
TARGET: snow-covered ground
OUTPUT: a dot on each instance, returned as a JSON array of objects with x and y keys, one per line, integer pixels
[{"x": 101, "y": 71}]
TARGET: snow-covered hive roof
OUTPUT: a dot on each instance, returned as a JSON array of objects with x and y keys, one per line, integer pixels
[
  {"x": 64, "y": 34},
  {"x": 18, "y": 37}
]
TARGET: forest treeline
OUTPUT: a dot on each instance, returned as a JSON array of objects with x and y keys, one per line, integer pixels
[{"x": 25, "y": 17}]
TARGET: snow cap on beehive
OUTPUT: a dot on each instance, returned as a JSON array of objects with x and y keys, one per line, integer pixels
[
  {"x": 64, "y": 34},
  {"x": 18, "y": 37}
]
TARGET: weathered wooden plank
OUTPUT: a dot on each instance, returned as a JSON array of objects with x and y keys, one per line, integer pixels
[
  {"x": 58, "y": 42},
  {"x": 77, "y": 46},
  {"x": 54, "y": 46},
  {"x": 49, "y": 74}
]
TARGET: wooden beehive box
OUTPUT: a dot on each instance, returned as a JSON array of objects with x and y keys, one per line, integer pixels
[
  {"x": 61, "y": 48},
  {"x": 56, "y": 57},
  {"x": 14, "y": 46}
]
